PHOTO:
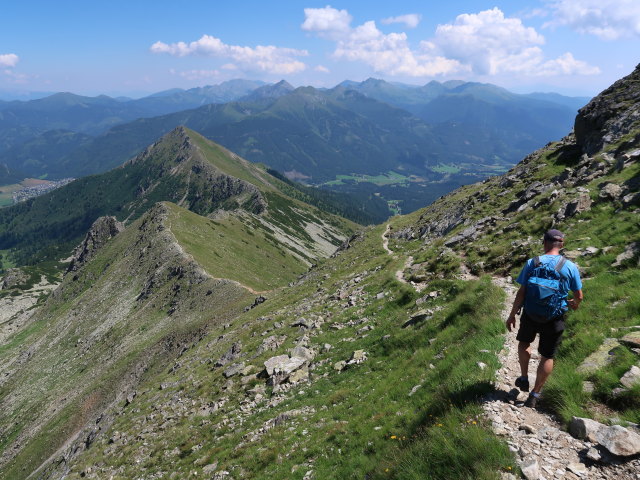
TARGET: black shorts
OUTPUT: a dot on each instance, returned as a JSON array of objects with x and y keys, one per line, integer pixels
[{"x": 550, "y": 334}]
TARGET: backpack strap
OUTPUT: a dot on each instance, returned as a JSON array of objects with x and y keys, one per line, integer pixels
[
  {"x": 560, "y": 264},
  {"x": 536, "y": 262}
]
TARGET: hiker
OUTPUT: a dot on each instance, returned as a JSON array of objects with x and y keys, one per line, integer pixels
[{"x": 545, "y": 282}]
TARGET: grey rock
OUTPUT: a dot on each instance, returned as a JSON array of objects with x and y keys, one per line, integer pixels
[
  {"x": 585, "y": 429},
  {"x": 303, "y": 352},
  {"x": 632, "y": 340},
  {"x": 619, "y": 441},
  {"x": 630, "y": 251},
  {"x": 631, "y": 378},
  {"x": 579, "y": 205},
  {"x": 593, "y": 454},
  {"x": 578, "y": 468},
  {"x": 357, "y": 357},
  {"x": 339, "y": 366},
  {"x": 302, "y": 322},
  {"x": 631, "y": 199},
  {"x": 233, "y": 370},
  {"x": 610, "y": 191},
  {"x": 530, "y": 468},
  {"x": 102, "y": 230},
  {"x": 282, "y": 364},
  {"x": 230, "y": 355},
  {"x": 271, "y": 343},
  {"x": 13, "y": 278},
  {"x": 600, "y": 358}
]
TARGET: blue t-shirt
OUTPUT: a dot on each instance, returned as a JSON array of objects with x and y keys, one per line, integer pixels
[{"x": 569, "y": 273}]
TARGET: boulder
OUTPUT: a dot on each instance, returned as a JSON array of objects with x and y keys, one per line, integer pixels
[
  {"x": 610, "y": 191},
  {"x": 585, "y": 429},
  {"x": 631, "y": 378},
  {"x": 357, "y": 357},
  {"x": 600, "y": 358},
  {"x": 579, "y": 205},
  {"x": 233, "y": 370},
  {"x": 630, "y": 251},
  {"x": 616, "y": 439},
  {"x": 632, "y": 339},
  {"x": 339, "y": 366},
  {"x": 282, "y": 364},
  {"x": 619, "y": 441},
  {"x": 303, "y": 352}
]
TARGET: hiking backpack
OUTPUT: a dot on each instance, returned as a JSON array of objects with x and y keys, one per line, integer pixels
[{"x": 544, "y": 299}]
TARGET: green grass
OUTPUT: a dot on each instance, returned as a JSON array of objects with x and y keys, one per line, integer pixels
[
  {"x": 347, "y": 418},
  {"x": 446, "y": 168},
  {"x": 258, "y": 260},
  {"x": 389, "y": 178}
]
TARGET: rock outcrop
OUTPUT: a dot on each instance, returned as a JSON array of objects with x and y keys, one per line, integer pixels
[
  {"x": 609, "y": 116},
  {"x": 102, "y": 230}
]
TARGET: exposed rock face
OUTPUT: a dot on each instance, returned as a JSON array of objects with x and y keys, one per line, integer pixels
[
  {"x": 12, "y": 278},
  {"x": 102, "y": 230},
  {"x": 610, "y": 115}
]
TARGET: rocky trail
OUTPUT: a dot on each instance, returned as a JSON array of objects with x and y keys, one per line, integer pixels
[{"x": 543, "y": 449}]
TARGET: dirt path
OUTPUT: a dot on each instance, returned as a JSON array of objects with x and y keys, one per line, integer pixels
[
  {"x": 534, "y": 436},
  {"x": 407, "y": 263}
]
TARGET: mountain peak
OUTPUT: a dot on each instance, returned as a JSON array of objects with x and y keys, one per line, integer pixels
[{"x": 610, "y": 115}]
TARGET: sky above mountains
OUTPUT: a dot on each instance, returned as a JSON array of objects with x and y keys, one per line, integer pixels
[{"x": 575, "y": 47}]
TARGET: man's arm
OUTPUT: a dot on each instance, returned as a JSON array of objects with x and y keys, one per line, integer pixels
[
  {"x": 574, "y": 302},
  {"x": 517, "y": 305}
]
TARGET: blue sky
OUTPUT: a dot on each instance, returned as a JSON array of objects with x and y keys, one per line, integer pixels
[{"x": 134, "y": 47}]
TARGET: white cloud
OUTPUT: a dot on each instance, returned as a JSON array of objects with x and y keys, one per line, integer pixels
[
  {"x": 8, "y": 60},
  {"x": 411, "y": 20},
  {"x": 484, "y": 43},
  {"x": 326, "y": 21},
  {"x": 266, "y": 58},
  {"x": 490, "y": 44},
  {"x": 321, "y": 69},
  {"x": 606, "y": 19}
]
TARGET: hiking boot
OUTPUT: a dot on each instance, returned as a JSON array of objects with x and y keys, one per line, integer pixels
[
  {"x": 531, "y": 401},
  {"x": 522, "y": 383}
]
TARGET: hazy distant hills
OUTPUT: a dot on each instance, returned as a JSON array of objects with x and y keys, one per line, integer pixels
[
  {"x": 433, "y": 137},
  {"x": 24, "y": 121}
]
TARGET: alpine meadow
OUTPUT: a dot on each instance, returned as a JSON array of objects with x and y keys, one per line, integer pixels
[{"x": 283, "y": 274}]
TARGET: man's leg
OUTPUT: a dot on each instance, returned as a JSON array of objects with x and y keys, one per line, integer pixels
[
  {"x": 545, "y": 367},
  {"x": 524, "y": 355}
]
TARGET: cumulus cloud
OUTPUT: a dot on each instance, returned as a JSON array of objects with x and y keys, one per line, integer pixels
[
  {"x": 321, "y": 69},
  {"x": 8, "y": 60},
  {"x": 485, "y": 43},
  {"x": 490, "y": 43},
  {"x": 411, "y": 20},
  {"x": 327, "y": 21},
  {"x": 266, "y": 58},
  {"x": 607, "y": 19},
  {"x": 385, "y": 53}
]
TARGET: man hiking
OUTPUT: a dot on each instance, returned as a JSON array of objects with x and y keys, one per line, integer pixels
[{"x": 545, "y": 282}]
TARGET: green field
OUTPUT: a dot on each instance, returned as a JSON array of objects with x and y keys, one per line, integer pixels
[{"x": 388, "y": 178}]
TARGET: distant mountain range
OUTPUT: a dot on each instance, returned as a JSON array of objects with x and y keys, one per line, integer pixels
[{"x": 449, "y": 133}]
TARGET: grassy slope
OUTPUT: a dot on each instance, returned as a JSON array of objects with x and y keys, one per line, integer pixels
[
  {"x": 342, "y": 425},
  {"x": 89, "y": 340},
  {"x": 236, "y": 248},
  {"x": 611, "y": 299}
]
